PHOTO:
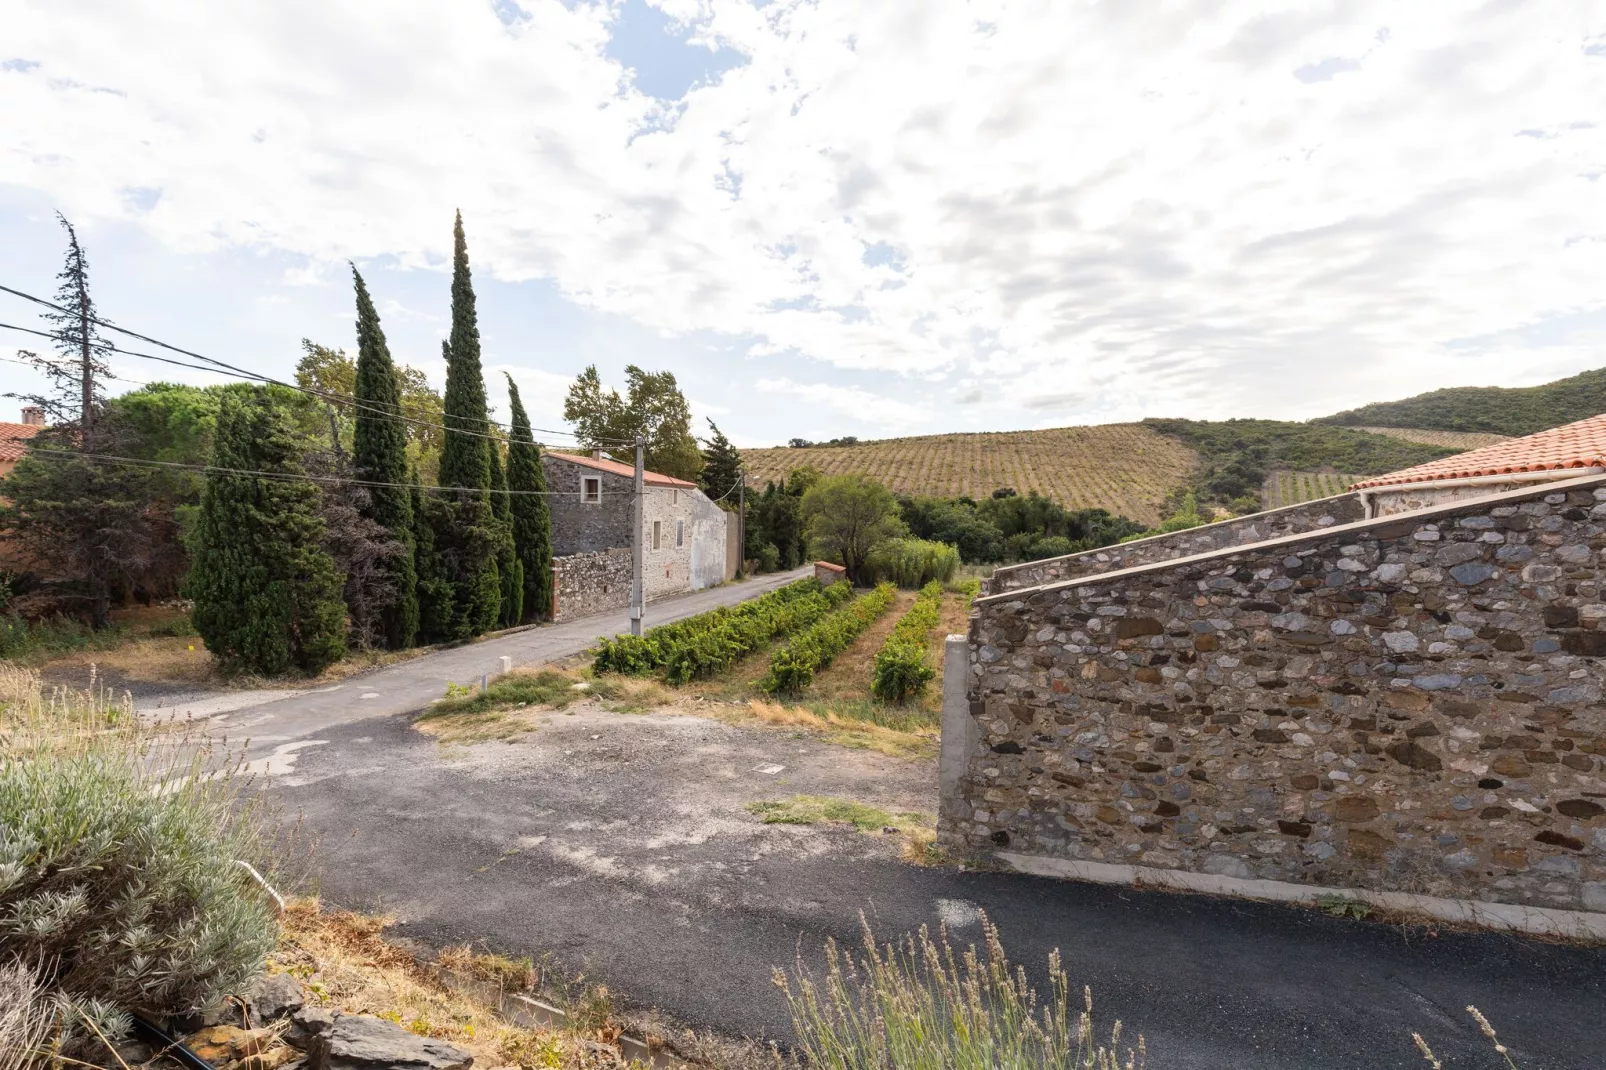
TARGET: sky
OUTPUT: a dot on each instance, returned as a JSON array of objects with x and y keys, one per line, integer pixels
[{"x": 832, "y": 217}]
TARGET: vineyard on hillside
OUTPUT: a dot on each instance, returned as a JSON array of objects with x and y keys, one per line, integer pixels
[
  {"x": 1290, "y": 488},
  {"x": 1125, "y": 468},
  {"x": 1460, "y": 440}
]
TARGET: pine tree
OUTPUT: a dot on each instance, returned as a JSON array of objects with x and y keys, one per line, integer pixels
[
  {"x": 532, "y": 522},
  {"x": 267, "y": 597},
  {"x": 722, "y": 467},
  {"x": 507, "y": 564},
  {"x": 379, "y": 455},
  {"x": 465, "y": 529}
]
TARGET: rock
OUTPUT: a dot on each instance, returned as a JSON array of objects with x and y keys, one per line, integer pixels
[
  {"x": 1224, "y": 865},
  {"x": 1473, "y": 573},
  {"x": 1582, "y": 809},
  {"x": 220, "y": 1044},
  {"x": 274, "y": 996},
  {"x": 359, "y": 1042},
  {"x": 307, "y": 1023},
  {"x": 1400, "y": 642},
  {"x": 1416, "y": 756},
  {"x": 1352, "y": 809},
  {"x": 1595, "y": 896}
]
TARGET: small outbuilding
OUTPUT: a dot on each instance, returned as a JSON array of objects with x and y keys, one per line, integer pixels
[{"x": 828, "y": 573}]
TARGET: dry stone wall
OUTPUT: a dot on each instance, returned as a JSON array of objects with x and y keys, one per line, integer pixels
[
  {"x": 591, "y": 583},
  {"x": 1412, "y": 704},
  {"x": 1240, "y": 531}
]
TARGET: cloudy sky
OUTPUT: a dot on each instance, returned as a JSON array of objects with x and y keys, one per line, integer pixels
[{"x": 836, "y": 217}]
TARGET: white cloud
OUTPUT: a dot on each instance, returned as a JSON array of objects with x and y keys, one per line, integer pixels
[
  {"x": 1255, "y": 208},
  {"x": 856, "y": 403}
]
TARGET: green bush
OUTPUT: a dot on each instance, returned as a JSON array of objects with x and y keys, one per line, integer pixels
[
  {"x": 901, "y": 671},
  {"x": 52, "y": 636},
  {"x": 120, "y": 882},
  {"x": 711, "y": 642},
  {"x": 792, "y": 667},
  {"x": 769, "y": 558},
  {"x": 912, "y": 563}
]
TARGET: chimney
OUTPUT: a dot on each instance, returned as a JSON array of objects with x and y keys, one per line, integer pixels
[
  {"x": 596, "y": 455},
  {"x": 33, "y": 415}
]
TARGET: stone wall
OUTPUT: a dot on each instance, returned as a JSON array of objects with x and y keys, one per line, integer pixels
[
  {"x": 1409, "y": 497},
  {"x": 1240, "y": 531},
  {"x": 698, "y": 560},
  {"x": 1408, "y": 704},
  {"x": 591, "y": 583},
  {"x": 580, "y": 527}
]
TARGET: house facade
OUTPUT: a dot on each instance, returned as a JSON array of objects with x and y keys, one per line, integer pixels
[{"x": 684, "y": 536}]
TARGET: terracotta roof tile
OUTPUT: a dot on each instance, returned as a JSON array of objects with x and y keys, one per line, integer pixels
[
  {"x": 608, "y": 464},
  {"x": 1575, "y": 445},
  {"x": 14, "y": 439}
]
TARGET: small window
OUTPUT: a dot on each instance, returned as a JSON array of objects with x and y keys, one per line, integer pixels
[
  {"x": 674, "y": 496},
  {"x": 680, "y": 533},
  {"x": 591, "y": 489},
  {"x": 657, "y": 532}
]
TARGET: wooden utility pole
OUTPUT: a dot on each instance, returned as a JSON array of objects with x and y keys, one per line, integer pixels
[{"x": 638, "y": 587}]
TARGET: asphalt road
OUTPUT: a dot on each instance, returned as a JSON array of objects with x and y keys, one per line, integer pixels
[
  {"x": 411, "y": 685},
  {"x": 620, "y": 844}
]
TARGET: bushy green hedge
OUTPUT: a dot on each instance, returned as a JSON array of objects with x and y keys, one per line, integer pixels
[
  {"x": 912, "y": 563},
  {"x": 793, "y": 666},
  {"x": 711, "y": 642},
  {"x": 901, "y": 671}
]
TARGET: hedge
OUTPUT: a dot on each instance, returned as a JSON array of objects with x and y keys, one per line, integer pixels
[
  {"x": 912, "y": 563},
  {"x": 793, "y": 667},
  {"x": 901, "y": 671},
  {"x": 711, "y": 642}
]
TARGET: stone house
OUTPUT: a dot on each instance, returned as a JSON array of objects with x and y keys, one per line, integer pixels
[
  {"x": 1394, "y": 694},
  {"x": 14, "y": 437},
  {"x": 685, "y": 537}
]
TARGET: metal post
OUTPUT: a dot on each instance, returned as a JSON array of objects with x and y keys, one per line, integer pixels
[{"x": 638, "y": 557}]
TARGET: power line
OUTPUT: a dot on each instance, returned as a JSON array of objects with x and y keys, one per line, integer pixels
[
  {"x": 295, "y": 476},
  {"x": 218, "y": 366}
]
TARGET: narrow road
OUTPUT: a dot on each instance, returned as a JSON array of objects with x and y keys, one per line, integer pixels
[
  {"x": 411, "y": 685},
  {"x": 623, "y": 845}
]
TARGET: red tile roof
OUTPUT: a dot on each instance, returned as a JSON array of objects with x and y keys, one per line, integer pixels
[
  {"x": 608, "y": 464},
  {"x": 14, "y": 439},
  {"x": 1575, "y": 445}
]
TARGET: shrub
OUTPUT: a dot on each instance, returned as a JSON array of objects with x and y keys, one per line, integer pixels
[
  {"x": 119, "y": 878},
  {"x": 52, "y": 636},
  {"x": 27, "y": 1019},
  {"x": 912, "y": 563},
  {"x": 711, "y": 642},
  {"x": 769, "y": 558},
  {"x": 793, "y": 666},
  {"x": 901, "y": 671},
  {"x": 919, "y": 1005}
]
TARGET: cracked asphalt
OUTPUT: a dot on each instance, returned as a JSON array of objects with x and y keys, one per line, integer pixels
[{"x": 620, "y": 843}]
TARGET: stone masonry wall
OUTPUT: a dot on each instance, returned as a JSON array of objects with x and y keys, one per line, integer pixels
[
  {"x": 1257, "y": 527},
  {"x": 1412, "y": 703},
  {"x": 591, "y": 583},
  {"x": 580, "y": 527}
]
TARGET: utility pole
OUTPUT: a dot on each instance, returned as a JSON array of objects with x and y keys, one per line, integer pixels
[
  {"x": 638, "y": 588},
  {"x": 741, "y": 524}
]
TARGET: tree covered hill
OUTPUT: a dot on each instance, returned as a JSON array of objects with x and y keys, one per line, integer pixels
[{"x": 1495, "y": 409}]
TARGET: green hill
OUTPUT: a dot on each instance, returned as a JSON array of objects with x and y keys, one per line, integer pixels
[{"x": 1498, "y": 410}]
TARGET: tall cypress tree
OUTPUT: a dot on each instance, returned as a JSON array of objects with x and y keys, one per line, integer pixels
[
  {"x": 722, "y": 467},
  {"x": 508, "y": 568},
  {"x": 380, "y": 456},
  {"x": 532, "y": 522},
  {"x": 466, "y": 536},
  {"x": 267, "y": 597}
]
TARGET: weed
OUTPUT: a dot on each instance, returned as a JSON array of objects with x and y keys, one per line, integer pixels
[
  {"x": 1483, "y": 1027},
  {"x": 1343, "y": 907}
]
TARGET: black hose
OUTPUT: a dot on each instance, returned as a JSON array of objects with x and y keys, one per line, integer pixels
[{"x": 156, "y": 1037}]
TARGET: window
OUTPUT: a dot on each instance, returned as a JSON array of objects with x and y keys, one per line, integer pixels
[
  {"x": 674, "y": 496},
  {"x": 591, "y": 490},
  {"x": 657, "y": 532},
  {"x": 680, "y": 533}
]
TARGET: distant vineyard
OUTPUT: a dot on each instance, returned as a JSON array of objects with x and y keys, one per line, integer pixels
[
  {"x": 1290, "y": 488},
  {"x": 1125, "y": 468},
  {"x": 1460, "y": 440}
]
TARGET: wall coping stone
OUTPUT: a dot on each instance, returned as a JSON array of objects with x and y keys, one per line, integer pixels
[
  {"x": 1358, "y": 527},
  {"x": 1509, "y": 917},
  {"x": 1006, "y": 569}
]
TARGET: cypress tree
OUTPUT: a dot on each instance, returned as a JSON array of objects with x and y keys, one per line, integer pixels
[
  {"x": 532, "y": 523},
  {"x": 380, "y": 456},
  {"x": 722, "y": 467},
  {"x": 434, "y": 591},
  {"x": 466, "y": 535},
  {"x": 508, "y": 568},
  {"x": 267, "y": 597}
]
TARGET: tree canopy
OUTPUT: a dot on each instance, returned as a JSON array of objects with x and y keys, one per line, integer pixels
[
  {"x": 847, "y": 517},
  {"x": 652, "y": 407}
]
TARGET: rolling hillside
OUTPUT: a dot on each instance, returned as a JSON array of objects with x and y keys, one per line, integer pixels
[
  {"x": 1493, "y": 409},
  {"x": 1459, "y": 440},
  {"x": 1125, "y": 468}
]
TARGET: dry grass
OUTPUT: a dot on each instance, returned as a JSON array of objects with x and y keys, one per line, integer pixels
[
  {"x": 917, "y": 832},
  {"x": 1126, "y": 468},
  {"x": 833, "y": 727},
  {"x": 1461, "y": 440},
  {"x": 345, "y": 963},
  {"x": 519, "y": 702}
]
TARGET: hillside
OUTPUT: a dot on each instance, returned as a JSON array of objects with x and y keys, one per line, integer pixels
[
  {"x": 1494, "y": 409},
  {"x": 1457, "y": 440},
  {"x": 1125, "y": 468}
]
